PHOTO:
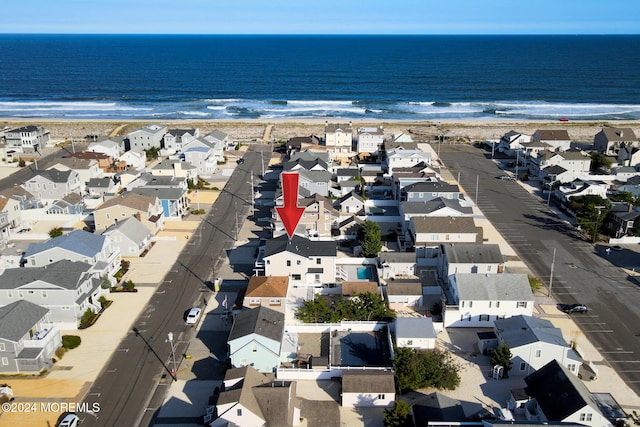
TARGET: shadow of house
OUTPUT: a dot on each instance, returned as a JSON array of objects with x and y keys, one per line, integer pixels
[{"x": 434, "y": 407}]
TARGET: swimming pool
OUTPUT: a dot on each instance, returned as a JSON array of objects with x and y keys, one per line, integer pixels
[{"x": 364, "y": 273}]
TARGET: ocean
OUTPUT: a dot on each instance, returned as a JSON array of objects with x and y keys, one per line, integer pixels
[{"x": 374, "y": 78}]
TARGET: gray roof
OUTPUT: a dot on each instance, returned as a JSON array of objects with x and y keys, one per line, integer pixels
[
  {"x": 78, "y": 241},
  {"x": 552, "y": 135},
  {"x": 458, "y": 253},
  {"x": 242, "y": 391},
  {"x": 432, "y": 187},
  {"x": 554, "y": 170},
  {"x": 17, "y": 318},
  {"x": 558, "y": 392},
  {"x": 315, "y": 176},
  {"x": 521, "y": 330},
  {"x": 65, "y": 274},
  {"x": 310, "y": 155},
  {"x": 99, "y": 182},
  {"x": 493, "y": 287},
  {"x": 347, "y": 172},
  {"x": 130, "y": 227},
  {"x": 415, "y": 327},
  {"x": 300, "y": 246},
  {"x": 333, "y": 127},
  {"x": 306, "y": 164},
  {"x": 434, "y": 205},
  {"x": 348, "y": 196},
  {"x": 443, "y": 224},
  {"x": 437, "y": 407},
  {"x": 218, "y": 134},
  {"x": 260, "y": 320},
  {"x": 55, "y": 175},
  {"x": 364, "y": 381},
  {"x": 393, "y": 257},
  {"x": 619, "y": 134},
  {"x": 404, "y": 287},
  {"x": 162, "y": 193}
]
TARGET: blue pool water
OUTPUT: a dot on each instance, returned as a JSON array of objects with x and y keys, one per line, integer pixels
[{"x": 364, "y": 273}]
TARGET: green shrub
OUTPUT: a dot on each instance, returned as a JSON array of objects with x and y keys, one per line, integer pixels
[
  {"x": 69, "y": 342},
  {"x": 60, "y": 352},
  {"x": 22, "y": 163},
  {"x": 87, "y": 316},
  {"x": 198, "y": 212},
  {"x": 129, "y": 285},
  {"x": 55, "y": 232}
]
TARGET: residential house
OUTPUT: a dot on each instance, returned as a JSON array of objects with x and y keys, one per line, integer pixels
[
  {"x": 438, "y": 207},
  {"x": 582, "y": 188},
  {"x": 631, "y": 186},
  {"x": 175, "y": 167},
  {"x": 255, "y": 339},
  {"x": 66, "y": 288},
  {"x": 71, "y": 204},
  {"x": 576, "y": 162},
  {"x": 174, "y": 201},
  {"x": 469, "y": 258},
  {"x": 414, "y": 332},
  {"x": 347, "y": 228},
  {"x": 306, "y": 262},
  {"x": 350, "y": 204},
  {"x": 400, "y": 158},
  {"x": 85, "y": 168},
  {"x": 609, "y": 140},
  {"x": 367, "y": 388},
  {"x": 200, "y": 154},
  {"x": 12, "y": 208},
  {"x": 296, "y": 143},
  {"x": 512, "y": 142},
  {"x": 130, "y": 236},
  {"x": 147, "y": 210},
  {"x": 622, "y": 219},
  {"x": 52, "y": 184},
  {"x": 98, "y": 187},
  {"x": 557, "y": 395},
  {"x": 316, "y": 221},
  {"x": 438, "y": 408},
  {"x": 112, "y": 146},
  {"x": 157, "y": 181},
  {"x": 6, "y": 232},
  {"x": 429, "y": 232},
  {"x": 533, "y": 343},
  {"x": 370, "y": 139},
  {"x": 315, "y": 182},
  {"x": 425, "y": 191},
  {"x": 628, "y": 155},
  {"x": 217, "y": 145},
  {"x": 311, "y": 155},
  {"x": 401, "y": 137},
  {"x": 403, "y": 293},
  {"x": 27, "y": 139},
  {"x": 346, "y": 174},
  {"x": 556, "y": 173},
  {"x": 338, "y": 137},
  {"x": 219, "y": 136},
  {"x": 26, "y": 199},
  {"x": 479, "y": 299},
  {"x": 397, "y": 264},
  {"x": 175, "y": 139},
  {"x": 558, "y": 139},
  {"x": 105, "y": 162},
  {"x": 316, "y": 164},
  {"x": 268, "y": 291},
  {"x": 133, "y": 159},
  {"x": 28, "y": 340},
  {"x": 78, "y": 245},
  {"x": 250, "y": 398},
  {"x": 146, "y": 137}
]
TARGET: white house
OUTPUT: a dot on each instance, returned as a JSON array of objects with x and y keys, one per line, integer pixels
[
  {"x": 175, "y": 139},
  {"x": 338, "y": 137},
  {"x": 415, "y": 332},
  {"x": 556, "y": 395},
  {"x": 85, "y": 168},
  {"x": 27, "y": 138},
  {"x": 111, "y": 146},
  {"x": 400, "y": 158},
  {"x": 479, "y": 299},
  {"x": 53, "y": 184},
  {"x": 255, "y": 339},
  {"x": 146, "y": 137},
  {"x": 432, "y": 231},
  {"x": 577, "y": 162},
  {"x": 133, "y": 159},
  {"x": 469, "y": 258},
  {"x": 370, "y": 139},
  {"x": 582, "y": 188},
  {"x": 558, "y": 139},
  {"x": 306, "y": 262},
  {"x": 513, "y": 141},
  {"x": 130, "y": 236},
  {"x": 533, "y": 343},
  {"x": 368, "y": 388},
  {"x": 403, "y": 293},
  {"x": 203, "y": 155}
]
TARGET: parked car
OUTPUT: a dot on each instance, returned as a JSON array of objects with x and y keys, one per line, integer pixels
[
  {"x": 193, "y": 316},
  {"x": 70, "y": 420},
  {"x": 240, "y": 161},
  {"x": 575, "y": 308},
  {"x": 506, "y": 177}
]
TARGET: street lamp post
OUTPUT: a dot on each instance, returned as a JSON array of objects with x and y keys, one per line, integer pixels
[
  {"x": 553, "y": 262},
  {"x": 595, "y": 229},
  {"x": 174, "y": 373}
]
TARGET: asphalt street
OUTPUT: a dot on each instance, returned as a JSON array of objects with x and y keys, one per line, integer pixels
[
  {"x": 131, "y": 387},
  {"x": 582, "y": 272}
]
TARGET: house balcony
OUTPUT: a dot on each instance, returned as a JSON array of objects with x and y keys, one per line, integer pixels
[
  {"x": 532, "y": 412},
  {"x": 47, "y": 334}
]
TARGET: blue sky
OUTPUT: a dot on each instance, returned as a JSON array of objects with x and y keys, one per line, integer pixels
[{"x": 322, "y": 17}]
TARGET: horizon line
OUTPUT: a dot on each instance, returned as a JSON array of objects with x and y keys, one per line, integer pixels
[{"x": 320, "y": 34}]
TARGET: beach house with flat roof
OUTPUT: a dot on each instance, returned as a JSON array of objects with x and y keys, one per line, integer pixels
[
  {"x": 146, "y": 137},
  {"x": 370, "y": 139},
  {"x": 338, "y": 137},
  {"x": 26, "y": 139}
]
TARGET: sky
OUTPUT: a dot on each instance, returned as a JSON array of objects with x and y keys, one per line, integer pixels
[{"x": 321, "y": 17}]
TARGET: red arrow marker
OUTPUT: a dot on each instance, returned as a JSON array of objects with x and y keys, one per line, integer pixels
[{"x": 290, "y": 213}]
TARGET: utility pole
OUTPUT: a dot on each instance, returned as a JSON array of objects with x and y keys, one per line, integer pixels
[
  {"x": 553, "y": 262},
  {"x": 253, "y": 202},
  {"x": 235, "y": 204},
  {"x": 174, "y": 372},
  {"x": 261, "y": 164},
  {"x": 477, "y": 182},
  {"x": 549, "y": 196},
  {"x": 595, "y": 229},
  {"x": 517, "y": 163}
]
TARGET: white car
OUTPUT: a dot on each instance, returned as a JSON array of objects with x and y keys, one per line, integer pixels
[
  {"x": 193, "y": 316},
  {"x": 70, "y": 420}
]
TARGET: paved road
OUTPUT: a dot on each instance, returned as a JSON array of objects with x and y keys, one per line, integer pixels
[
  {"x": 582, "y": 272},
  {"x": 126, "y": 388}
]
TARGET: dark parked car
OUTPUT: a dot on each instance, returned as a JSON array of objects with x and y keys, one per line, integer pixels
[
  {"x": 574, "y": 308},
  {"x": 240, "y": 161}
]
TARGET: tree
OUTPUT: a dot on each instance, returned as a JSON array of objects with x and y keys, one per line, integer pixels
[
  {"x": 55, "y": 232},
  {"x": 598, "y": 161},
  {"x": 366, "y": 306},
  {"x": 370, "y": 238},
  {"x": 502, "y": 356},
  {"x": 399, "y": 415},
  {"x": 416, "y": 369},
  {"x": 152, "y": 153},
  {"x": 591, "y": 211}
]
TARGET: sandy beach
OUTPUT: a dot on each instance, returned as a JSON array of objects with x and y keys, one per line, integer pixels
[{"x": 254, "y": 130}]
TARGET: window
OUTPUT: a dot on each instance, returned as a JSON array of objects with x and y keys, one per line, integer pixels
[
  {"x": 538, "y": 353},
  {"x": 319, "y": 261},
  {"x": 298, "y": 262},
  {"x": 497, "y": 304},
  {"x": 44, "y": 294},
  {"x": 461, "y": 304},
  {"x": 470, "y": 304},
  {"x": 5, "y": 361},
  {"x": 381, "y": 396},
  {"x": 488, "y": 268},
  {"x": 64, "y": 307},
  {"x": 9, "y": 294},
  {"x": 585, "y": 417},
  {"x": 2, "y": 347},
  {"x": 296, "y": 277},
  {"x": 571, "y": 367},
  {"x": 484, "y": 317},
  {"x": 275, "y": 301},
  {"x": 521, "y": 304},
  {"x": 255, "y": 348},
  {"x": 409, "y": 342},
  {"x": 239, "y": 412},
  {"x": 288, "y": 263},
  {"x": 523, "y": 366}
]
